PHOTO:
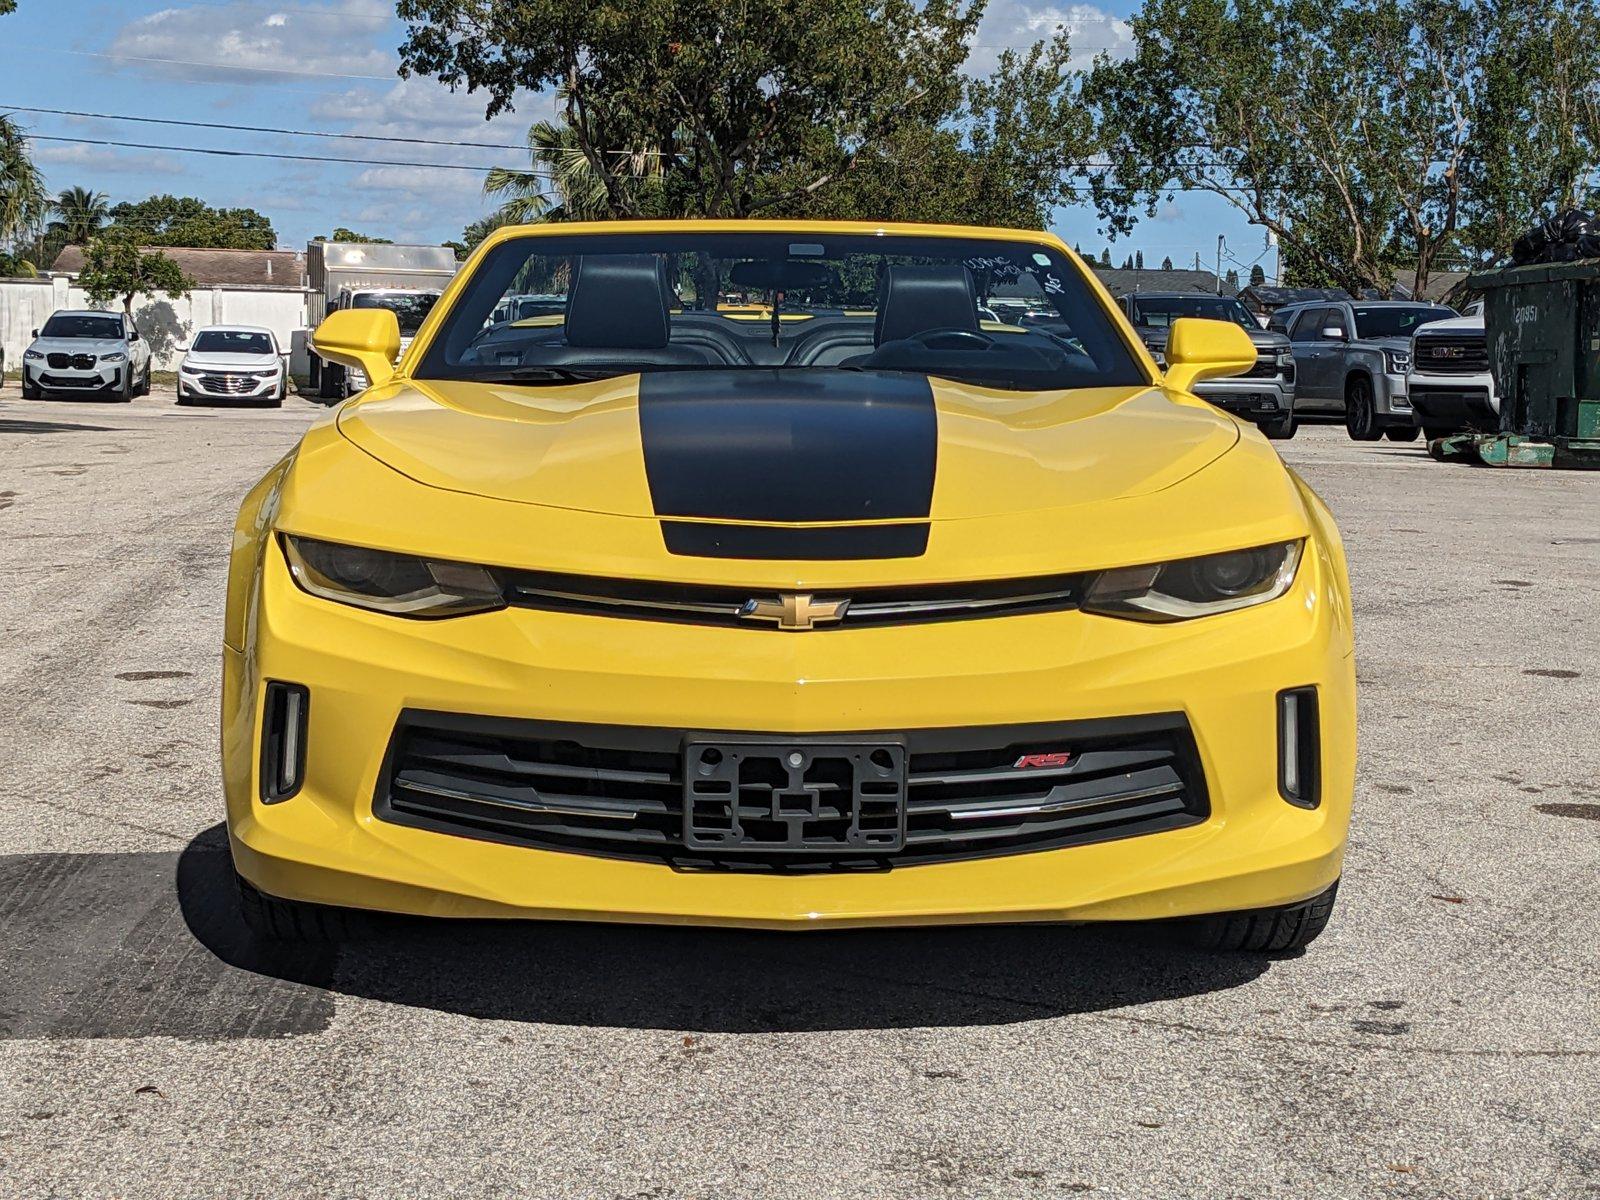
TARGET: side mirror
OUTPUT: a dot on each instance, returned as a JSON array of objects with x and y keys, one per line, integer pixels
[
  {"x": 1334, "y": 334},
  {"x": 1199, "y": 349},
  {"x": 367, "y": 339},
  {"x": 35, "y": 333}
]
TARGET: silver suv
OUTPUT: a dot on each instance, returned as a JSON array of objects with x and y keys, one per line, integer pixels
[
  {"x": 87, "y": 352},
  {"x": 1351, "y": 358}
]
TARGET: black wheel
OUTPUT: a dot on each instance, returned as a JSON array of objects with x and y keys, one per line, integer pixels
[
  {"x": 275, "y": 920},
  {"x": 1403, "y": 433},
  {"x": 1281, "y": 429},
  {"x": 129, "y": 388},
  {"x": 30, "y": 391},
  {"x": 1435, "y": 432},
  {"x": 1360, "y": 418},
  {"x": 1266, "y": 930}
]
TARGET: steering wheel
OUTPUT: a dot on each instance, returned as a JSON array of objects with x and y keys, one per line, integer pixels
[{"x": 953, "y": 339}]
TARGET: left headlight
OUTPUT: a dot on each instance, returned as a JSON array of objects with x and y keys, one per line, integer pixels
[
  {"x": 114, "y": 356},
  {"x": 399, "y": 584},
  {"x": 32, "y": 356},
  {"x": 1195, "y": 587}
]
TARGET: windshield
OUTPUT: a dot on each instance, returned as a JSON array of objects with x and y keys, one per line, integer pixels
[
  {"x": 547, "y": 310},
  {"x": 1162, "y": 311},
  {"x": 1397, "y": 321},
  {"x": 64, "y": 325},
  {"x": 408, "y": 307},
  {"x": 232, "y": 341}
]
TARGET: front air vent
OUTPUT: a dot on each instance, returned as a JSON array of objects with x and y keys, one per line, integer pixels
[{"x": 283, "y": 740}]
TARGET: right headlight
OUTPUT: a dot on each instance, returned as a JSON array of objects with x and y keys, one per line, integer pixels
[
  {"x": 399, "y": 584},
  {"x": 1194, "y": 587}
]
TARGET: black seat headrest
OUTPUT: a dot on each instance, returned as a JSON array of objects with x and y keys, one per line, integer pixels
[
  {"x": 618, "y": 302},
  {"x": 915, "y": 299}
]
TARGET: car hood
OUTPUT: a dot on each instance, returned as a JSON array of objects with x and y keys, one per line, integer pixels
[
  {"x": 1385, "y": 343},
  {"x": 1453, "y": 325},
  {"x": 808, "y": 446},
  {"x": 230, "y": 362},
  {"x": 95, "y": 346}
]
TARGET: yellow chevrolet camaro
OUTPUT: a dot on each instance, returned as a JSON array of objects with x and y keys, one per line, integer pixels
[{"x": 797, "y": 576}]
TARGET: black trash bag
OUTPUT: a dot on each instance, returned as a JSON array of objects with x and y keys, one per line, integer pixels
[{"x": 1565, "y": 237}]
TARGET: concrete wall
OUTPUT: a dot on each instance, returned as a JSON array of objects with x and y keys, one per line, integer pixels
[{"x": 25, "y": 304}]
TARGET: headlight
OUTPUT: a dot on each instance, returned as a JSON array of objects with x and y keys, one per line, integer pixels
[
  {"x": 1284, "y": 358},
  {"x": 186, "y": 369},
  {"x": 114, "y": 356},
  {"x": 264, "y": 374},
  {"x": 1399, "y": 361},
  {"x": 390, "y": 583},
  {"x": 1194, "y": 587},
  {"x": 32, "y": 356}
]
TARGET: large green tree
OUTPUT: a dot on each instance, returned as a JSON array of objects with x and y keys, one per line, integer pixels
[
  {"x": 750, "y": 106},
  {"x": 116, "y": 267},
  {"x": 23, "y": 201},
  {"x": 188, "y": 221}
]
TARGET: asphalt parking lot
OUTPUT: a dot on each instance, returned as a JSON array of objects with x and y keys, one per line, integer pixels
[{"x": 1441, "y": 1039}]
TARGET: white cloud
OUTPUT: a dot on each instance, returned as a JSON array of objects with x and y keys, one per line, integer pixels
[
  {"x": 1018, "y": 24},
  {"x": 59, "y": 160},
  {"x": 227, "y": 41}
]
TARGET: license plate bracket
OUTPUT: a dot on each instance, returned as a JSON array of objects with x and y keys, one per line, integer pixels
[{"x": 794, "y": 796}]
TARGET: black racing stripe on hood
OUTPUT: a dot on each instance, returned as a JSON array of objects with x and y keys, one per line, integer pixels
[
  {"x": 789, "y": 445},
  {"x": 818, "y": 542}
]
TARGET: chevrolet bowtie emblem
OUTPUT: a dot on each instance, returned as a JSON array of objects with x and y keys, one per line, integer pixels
[{"x": 795, "y": 610}]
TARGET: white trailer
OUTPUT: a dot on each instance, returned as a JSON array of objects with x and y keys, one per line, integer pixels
[{"x": 405, "y": 279}]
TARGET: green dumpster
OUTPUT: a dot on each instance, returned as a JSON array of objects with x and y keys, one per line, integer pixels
[{"x": 1543, "y": 327}]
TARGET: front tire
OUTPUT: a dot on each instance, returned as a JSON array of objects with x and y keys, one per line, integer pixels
[
  {"x": 1360, "y": 417},
  {"x": 273, "y": 920},
  {"x": 1281, "y": 429},
  {"x": 30, "y": 391},
  {"x": 1403, "y": 433},
  {"x": 1266, "y": 930},
  {"x": 128, "y": 390}
]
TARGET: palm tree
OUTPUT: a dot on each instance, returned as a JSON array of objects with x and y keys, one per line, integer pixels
[
  {"x": 79, "y": 215},
  {"x": 563, "y": 184},
  {"x": 23, "y": 203}
]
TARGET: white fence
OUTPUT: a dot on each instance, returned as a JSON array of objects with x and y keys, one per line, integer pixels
[{"x": 25, "y": 305}]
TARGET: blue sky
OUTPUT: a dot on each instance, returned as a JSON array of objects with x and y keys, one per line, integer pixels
[{"x": 329, "y": 65}]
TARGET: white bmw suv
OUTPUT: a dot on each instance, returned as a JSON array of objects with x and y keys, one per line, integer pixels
[{"x": 87, "y": 352}]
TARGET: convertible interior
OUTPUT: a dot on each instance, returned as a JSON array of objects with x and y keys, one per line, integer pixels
[{"x": 622, "y": 315}]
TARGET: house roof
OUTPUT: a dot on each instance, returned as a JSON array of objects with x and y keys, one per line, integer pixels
[
  {"x": 216, "y": 268},
  {"x": 1120, "y": 282}
]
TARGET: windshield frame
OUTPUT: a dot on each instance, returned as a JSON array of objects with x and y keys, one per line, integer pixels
[
  {"x": 1238, "y": 314},
  {"x": 113, "y": 322},
  {"x": 1358, "y": 311},
  {"x": 1119, "y": 359}
]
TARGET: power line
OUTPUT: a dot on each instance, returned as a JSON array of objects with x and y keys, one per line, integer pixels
[
  {"x": 365, "y": 162},
  {"x": 314, "y": 133}
]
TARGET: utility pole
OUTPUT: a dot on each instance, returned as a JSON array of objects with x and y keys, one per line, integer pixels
[{"x": 1219, "y": 264}]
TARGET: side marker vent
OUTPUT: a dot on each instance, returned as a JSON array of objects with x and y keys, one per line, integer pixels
[{"x": 1299, "y": 748}]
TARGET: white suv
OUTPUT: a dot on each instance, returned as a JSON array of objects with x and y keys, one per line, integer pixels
[
  {"x": 1451, "y": 387},
  {"x": 87, "y": 352}
]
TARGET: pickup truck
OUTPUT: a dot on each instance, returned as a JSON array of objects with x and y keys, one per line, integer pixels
[
  {"x": 1452, "y": 389},
  {"x": 1264, "y": 394}
]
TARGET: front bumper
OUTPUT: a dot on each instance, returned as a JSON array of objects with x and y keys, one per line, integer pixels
[
  {"x": 363, "y": 670},
  {"x": 1255, "y": 399},
  {"x": 67, "y": 379},
  {"x": 1390, "y": 399},
  {"x": 1461, "y": 402},
  {"x": 226, "y": 385}
]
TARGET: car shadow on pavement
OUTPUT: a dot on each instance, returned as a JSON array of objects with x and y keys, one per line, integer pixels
[
  {"x": 711, "y": 980},
  {"x": 15, "y": 425}
]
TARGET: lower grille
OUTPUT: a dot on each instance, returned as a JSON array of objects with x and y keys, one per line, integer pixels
[
  {"x": 617, "y": 791},
  {"x": 87, "y": 382}
]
